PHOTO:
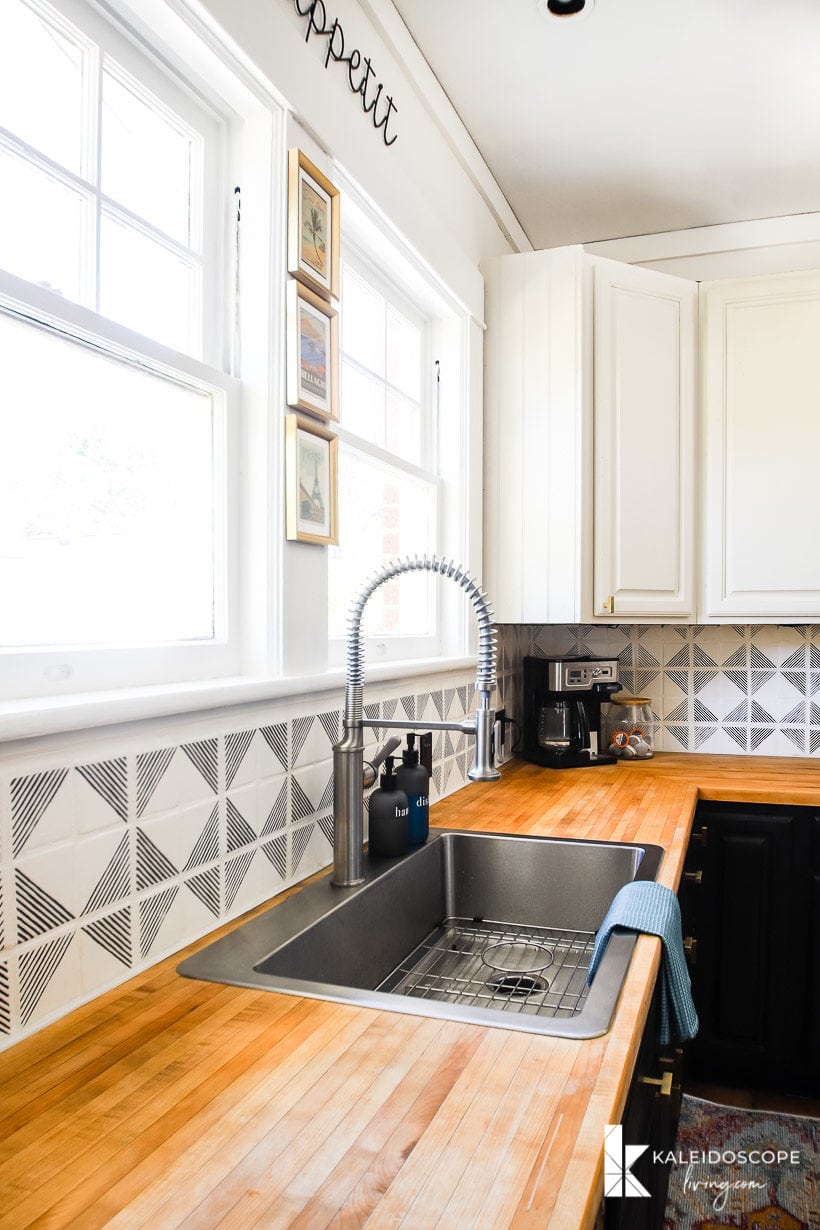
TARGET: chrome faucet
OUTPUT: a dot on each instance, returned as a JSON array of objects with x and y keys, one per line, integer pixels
[{"x": 350, "y": 776}]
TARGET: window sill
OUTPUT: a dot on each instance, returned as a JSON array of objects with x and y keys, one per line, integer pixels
[{"x": 26, "y": 719}]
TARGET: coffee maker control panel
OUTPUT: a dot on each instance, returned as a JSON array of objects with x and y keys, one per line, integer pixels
[{"x": 566, "y": 675}]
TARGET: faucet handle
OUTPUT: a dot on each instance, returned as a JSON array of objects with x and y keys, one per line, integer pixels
[{"x": 370, "y": 770}]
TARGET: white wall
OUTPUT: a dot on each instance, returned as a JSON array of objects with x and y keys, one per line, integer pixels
[
  {"x": 119, "y": 843},
  {"x": 431, "y": 182}
]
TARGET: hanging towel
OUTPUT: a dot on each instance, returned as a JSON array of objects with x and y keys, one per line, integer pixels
[{"x": 643, "y": 905}]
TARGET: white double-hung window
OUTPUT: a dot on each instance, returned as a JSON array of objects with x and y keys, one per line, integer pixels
[
  {"x": 403, "y": 469},
  {"x": 117, "y": 417}
]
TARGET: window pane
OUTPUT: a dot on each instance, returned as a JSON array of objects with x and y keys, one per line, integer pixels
[
  {"x": 41, "y": 86},
  {"x": 382, "y": 514},
  {"x": 41, "y": 228},
  {"x": 106, "y": 499},
  {"x": 403, "y": 354},
  {"x": 404, "y": 427},
  {"x": 147, "y": 159},
  {"x": 362, "y": 405},
  {"x": 362, "y": 323},
  {"x": 146, "y": 287}
]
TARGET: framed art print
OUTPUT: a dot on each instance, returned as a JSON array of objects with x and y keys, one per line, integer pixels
[
  {"x": 313, "y": 226},
  {"x": 312, "y": 353},
  {"x": 311, "y": 482}
]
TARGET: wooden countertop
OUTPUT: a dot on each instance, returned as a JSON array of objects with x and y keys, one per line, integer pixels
[{"x": 171, "y": 1103}]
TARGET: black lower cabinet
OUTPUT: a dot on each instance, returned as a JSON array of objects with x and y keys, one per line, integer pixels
[
  {"x": 750, "y": 901},
  {"x": 814, "y": 954},
  {"x": 650, "y": 1118}
]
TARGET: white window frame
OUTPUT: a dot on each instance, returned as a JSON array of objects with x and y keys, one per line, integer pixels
[{"x": 95, "y": 680}]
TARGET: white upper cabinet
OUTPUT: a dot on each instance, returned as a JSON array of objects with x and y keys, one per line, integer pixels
[
  {"x": 582, "y": 349},
  {"x": 645, "y": 360},
  {"x": 761, "y": 388}
]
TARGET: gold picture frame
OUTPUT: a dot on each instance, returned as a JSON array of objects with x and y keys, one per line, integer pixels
[
  {"x": 313, "y": 226},
  {"x": 311, "y": 482},
  {"x": 312, "y": 353}
]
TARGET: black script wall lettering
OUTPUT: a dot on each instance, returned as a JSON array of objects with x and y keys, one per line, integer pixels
[{"x": 378, "y": 105}]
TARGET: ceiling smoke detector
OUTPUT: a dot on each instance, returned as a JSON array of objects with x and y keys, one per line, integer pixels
[{"x": 564, "y": 9}]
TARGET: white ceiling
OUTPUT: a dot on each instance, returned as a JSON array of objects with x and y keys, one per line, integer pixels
[{"x": 643, "y": 116}]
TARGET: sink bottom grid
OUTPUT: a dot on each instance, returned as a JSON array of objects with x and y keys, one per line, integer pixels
[{"x": 536, "y": 970}]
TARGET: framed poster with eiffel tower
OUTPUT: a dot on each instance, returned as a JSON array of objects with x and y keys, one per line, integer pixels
[
  {"x": 311, "y": 482},
  {"x": 313, "y": 226}
]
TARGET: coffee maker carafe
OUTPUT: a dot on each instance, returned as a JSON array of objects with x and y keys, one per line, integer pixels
[{"x": 562, "y": 709}]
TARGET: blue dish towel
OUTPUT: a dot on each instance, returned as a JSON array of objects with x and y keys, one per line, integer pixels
[{"x": 643, "y": 905}]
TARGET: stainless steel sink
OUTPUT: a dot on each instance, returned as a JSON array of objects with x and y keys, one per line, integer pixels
[{"x": 476, "y": 927}]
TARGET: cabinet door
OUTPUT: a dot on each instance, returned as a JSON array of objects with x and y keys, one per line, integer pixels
[
  {"x": 650, "y": 1118},
  {"x": 749, "y": 981},
  {"x": 813, "y": 972},
  {"x": 645, "y": 385},
  {"x": 761, "y": 364}
]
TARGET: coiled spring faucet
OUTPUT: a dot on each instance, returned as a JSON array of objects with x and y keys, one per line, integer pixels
[{"x": 349, "y": 774}]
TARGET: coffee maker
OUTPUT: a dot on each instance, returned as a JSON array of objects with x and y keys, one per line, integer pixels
[{"x": 562, "y": 710}]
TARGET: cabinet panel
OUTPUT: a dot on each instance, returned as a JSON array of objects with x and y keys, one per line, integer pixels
[
  {"x": 538, "y": 437},
  {"x": 761, "y": 376},
  {"x": 750, "y": 914},
  {"x": 814, "y": 952},
  {"x": 645, "y": 365},
  {"x": 814, "y": 977}
]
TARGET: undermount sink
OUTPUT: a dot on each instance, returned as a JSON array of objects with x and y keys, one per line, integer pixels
[{"x": 475, "y": 927}]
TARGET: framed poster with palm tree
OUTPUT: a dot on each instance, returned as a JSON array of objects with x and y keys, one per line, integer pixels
[{"x": 313, "y": 226}]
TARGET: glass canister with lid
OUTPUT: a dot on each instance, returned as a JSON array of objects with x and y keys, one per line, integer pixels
[{"x": 628, "y": 728}]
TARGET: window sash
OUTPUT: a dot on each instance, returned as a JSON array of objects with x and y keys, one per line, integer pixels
[
  {"x": 54, "y": 670},
  {"x": 107, "y": 51},
  {"x": 384, "y": 644}
]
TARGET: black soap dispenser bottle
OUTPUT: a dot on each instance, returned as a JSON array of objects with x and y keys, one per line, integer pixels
[
  {"x": 414, "y": 780},
  {"x": 389, "y": 810}
]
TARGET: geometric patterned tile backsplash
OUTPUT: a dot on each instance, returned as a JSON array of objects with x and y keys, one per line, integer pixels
[
  {"x": 750, "y": 689},
  {"x": 109, "y": 863},
  {"x": 111, "y": 860}
]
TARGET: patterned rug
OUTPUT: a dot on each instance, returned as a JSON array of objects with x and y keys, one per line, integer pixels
[{"x": 753, "y": 1170}]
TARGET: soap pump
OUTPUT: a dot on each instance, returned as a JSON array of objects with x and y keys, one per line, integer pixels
[
  {"x": 389, "y": 811},
  {"x": 414, "y": 780}
]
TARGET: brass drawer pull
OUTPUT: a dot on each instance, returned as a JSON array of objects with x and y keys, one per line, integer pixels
[
  {"x": 693, "y": 877},
  {"x": 664, "y": 1083},
  {"x": 690, "y": 947},
  {"x": 700, "y": 838}
]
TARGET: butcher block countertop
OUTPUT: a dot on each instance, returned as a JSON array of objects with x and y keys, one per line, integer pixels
[{"x": 169, "y": 1103}]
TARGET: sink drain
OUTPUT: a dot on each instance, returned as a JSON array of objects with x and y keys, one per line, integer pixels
[{"x": 517, "y": 985}]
